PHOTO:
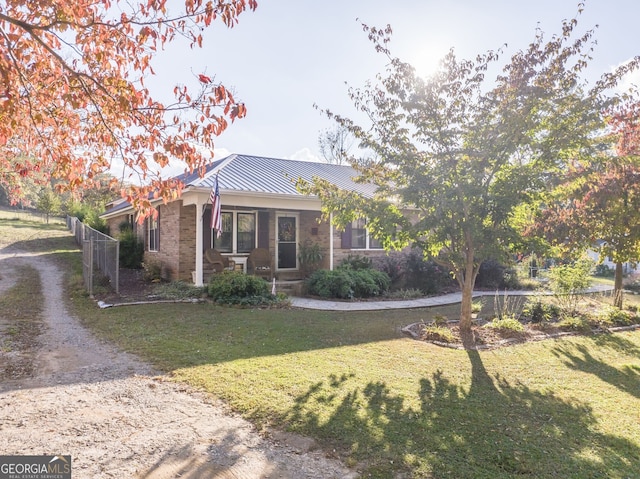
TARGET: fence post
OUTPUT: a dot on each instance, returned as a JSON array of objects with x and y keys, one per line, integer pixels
[{"x": 91, "y": 266}]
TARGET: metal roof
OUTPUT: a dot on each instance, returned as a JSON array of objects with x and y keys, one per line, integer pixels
[{"x": 258, "y": 174}]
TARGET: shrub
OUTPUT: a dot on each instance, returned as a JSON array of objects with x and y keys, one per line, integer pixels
[
  {"x": 634, "y": 286},
  {"x": 425, "y": 275},
  {"x": 491, "y": 275},
  {"x": 229, "y": 286},
  {"x": 93, "y": 220},
  {"x": 476, "y": 306},
  {"x": 540, "y": 312},
  {"x": 569, "y": 281},
  {"x": 131, "y": 250},
  {"x": 310, "y": 256},
  {"x": 619, "y": 317},
  {"x": 507, "y": 324},
  {"x": 575, "y": 323},
  {"x": 330, "y": 284},
  {"x": 603, "y": 271},
  {"x": 440, "y": 320},
  {"x": 370, "y": 282},
  {"x": 346, "y": 283},
  {"x": 152, "y": 271},
  {"x": 356, "y": 262},
  {"x": 437, "y": 333},
  {"x": 393, "y": 265}
]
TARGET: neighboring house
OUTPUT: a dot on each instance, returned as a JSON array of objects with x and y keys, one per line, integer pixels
[
  {"x": 594, "y": 254},
  {"x": 261, "y": 208}
]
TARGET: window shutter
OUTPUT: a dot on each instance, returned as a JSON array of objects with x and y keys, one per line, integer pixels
[
  {"x": 206, "y": 228},
  {"x": 263, "y": 229},
  {"x": 346, "y": 237},
  {"x": 158, "y": 232}
]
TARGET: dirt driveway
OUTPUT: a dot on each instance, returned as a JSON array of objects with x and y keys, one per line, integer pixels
[{"x": 118, "y": 418}]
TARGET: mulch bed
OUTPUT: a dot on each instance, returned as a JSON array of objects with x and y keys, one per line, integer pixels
[
  {"x": 487, "y": 338},
  {"x": 133, "y": 288}
]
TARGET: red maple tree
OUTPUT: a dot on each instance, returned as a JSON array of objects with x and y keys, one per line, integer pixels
[
  {"x": 73, "y": 97},
  {"x": 599, "y": 198}
]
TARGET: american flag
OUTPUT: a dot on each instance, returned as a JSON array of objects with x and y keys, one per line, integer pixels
[{"x": 216, "y": 216}]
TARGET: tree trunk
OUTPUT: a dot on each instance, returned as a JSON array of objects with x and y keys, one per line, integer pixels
[
  {"x": 617, "y": 287},
  {"x": 467, "y": 300},
  {"x": 467, "y": 291}
]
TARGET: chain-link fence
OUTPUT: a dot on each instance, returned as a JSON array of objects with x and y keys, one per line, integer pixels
[{"x": 100, "y": 254}]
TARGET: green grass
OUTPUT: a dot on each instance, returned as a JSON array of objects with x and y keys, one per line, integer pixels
[{"x": 388, "y": 404}]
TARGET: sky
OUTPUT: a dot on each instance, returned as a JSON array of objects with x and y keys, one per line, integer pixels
[{"x": 290, "y": 55}]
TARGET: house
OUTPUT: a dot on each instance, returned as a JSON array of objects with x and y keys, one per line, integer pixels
[
  {"x": 595, "y": 254},
  {"x": 261, "y": 208}
]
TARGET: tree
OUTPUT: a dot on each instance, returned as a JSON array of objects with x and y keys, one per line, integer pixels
[
  {"x": 599, "y": 199},
  {"x": 48, "y": 202},
  {"x": 454, "y": 155},
  {"x": 335, "y": 144},
  {"x": 73, "y": 93}
]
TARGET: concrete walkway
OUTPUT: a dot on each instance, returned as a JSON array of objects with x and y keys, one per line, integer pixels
[{"x": 453, "y": 298}]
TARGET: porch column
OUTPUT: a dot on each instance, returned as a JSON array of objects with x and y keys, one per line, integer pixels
[{"x": 199, "y": 234}]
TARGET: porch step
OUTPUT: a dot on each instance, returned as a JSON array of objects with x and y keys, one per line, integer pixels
[{"x": 290, "y": 288}]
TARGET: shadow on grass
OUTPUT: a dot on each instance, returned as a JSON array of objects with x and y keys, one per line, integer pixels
[
  {"x": 495, "y": 429},
  {"x": 580, "y": 358}
]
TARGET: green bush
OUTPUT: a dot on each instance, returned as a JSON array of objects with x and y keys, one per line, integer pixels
[
  {"x": 235, "y": 287},
  {"x": 540, "y": 312},
  {"x": 569, "y": 281},
  {"x": 370, "y": 282},
  {"x": 310, "y": 256},
  {"x": 620, "y": 317},
  {"x": 603, "y": 271},
  {"x": 356, "y": 262},
  {"x": 575, "y": 323},
  {"x": 440, "y": 320},
  {"x": 330, "y": 284},
  {"x": 437, "y": 333},
  {"x": 347, "y": 283},
  {"x": 507, "y": 324},
  {"x": 152, "y": 271},
  {"x": 131, "y": 250}
]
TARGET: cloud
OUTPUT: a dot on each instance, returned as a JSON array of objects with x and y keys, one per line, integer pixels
[{"x": 305, "y": 154}]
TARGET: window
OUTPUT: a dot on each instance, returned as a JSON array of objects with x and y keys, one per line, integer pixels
[
  {"x": 154, "y": 233},
  {"x": 238, "y": 233},
  {"x": 360, "y": 237},
  {"x": 224, "y": 244},
  {"x": 246, "y": 232}
]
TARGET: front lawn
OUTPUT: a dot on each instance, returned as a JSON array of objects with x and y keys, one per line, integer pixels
[{"x": 386, "y": 403}]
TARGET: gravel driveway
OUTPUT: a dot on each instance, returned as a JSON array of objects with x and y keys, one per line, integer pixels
[{"x": 118, "y": 418}]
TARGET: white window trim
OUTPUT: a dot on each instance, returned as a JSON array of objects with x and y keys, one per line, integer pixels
[
  {"x": 367, "y": 241},
  {"x": 157, "y": 236},
  {"x": 234, "y": 233}
]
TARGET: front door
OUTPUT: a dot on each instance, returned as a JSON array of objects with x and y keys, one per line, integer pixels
[{"x": 287, "y": 241}]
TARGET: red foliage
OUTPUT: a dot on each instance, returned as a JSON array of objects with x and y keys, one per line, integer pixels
[{"x": 72, "y": 111}]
